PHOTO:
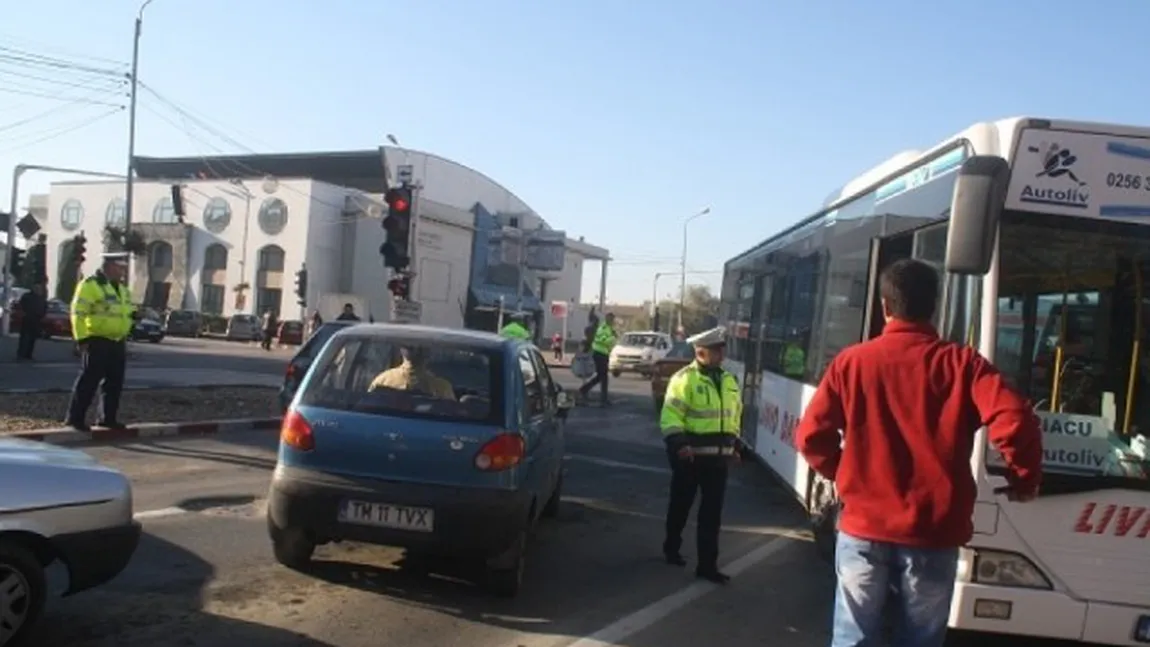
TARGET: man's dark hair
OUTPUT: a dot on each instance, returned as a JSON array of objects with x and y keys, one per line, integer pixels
[{"x": 910, "y": 289}]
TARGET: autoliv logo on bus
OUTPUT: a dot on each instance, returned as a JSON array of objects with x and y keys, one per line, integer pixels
[{"x": 1056, "y": 183}]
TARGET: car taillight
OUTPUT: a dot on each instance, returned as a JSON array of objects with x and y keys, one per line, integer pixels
[
  {"x": 296, "y": 432},
  {"x": 292, "y": 371},
  {"x": 500, "y": 453}
]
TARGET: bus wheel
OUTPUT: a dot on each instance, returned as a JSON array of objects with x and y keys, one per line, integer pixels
[{"x": 823, "y": 511}]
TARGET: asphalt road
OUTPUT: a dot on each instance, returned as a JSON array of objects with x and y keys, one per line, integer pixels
[
  {"x": 173, "y": 362},
  {"x": 204, "y": 574}
]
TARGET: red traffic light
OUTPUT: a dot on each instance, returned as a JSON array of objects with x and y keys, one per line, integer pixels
[{"x": 399, "y": 200}]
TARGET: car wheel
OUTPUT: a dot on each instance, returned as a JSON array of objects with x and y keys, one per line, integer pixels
[
  {"x": 616, "y": 373},
  {"x": 551, "y": 510},
  {"x": 291, "y": 546},
  {"x": 23, "y": 591},
  {"x": 154, "y": 341},
  {"x": 506, "y": 580}
]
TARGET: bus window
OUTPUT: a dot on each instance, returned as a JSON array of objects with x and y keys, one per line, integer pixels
[{"x": 1070, "y": 337}]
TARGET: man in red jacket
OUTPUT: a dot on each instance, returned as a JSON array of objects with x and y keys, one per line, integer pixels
[{"x": 908, "y": 405}]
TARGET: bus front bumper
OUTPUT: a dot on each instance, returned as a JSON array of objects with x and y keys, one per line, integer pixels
[{"x": 1047, "y": 614}]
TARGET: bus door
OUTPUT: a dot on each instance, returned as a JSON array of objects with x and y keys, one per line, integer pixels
[
  {"x": 753, "y": 371},
  {"x": 927, "y": 244}
]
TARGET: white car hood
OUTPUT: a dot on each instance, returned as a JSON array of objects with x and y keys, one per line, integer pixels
[{"x": 20, "y": 452}]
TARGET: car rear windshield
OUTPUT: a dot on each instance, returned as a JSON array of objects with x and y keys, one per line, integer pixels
[
  {"x": 416, "y": 379},
  {"x": 681, "y": 350}
]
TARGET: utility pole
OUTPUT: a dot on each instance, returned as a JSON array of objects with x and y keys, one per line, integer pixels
[
  {"x": 129, "y": 188},
  {"x": 683, "y": 264}
]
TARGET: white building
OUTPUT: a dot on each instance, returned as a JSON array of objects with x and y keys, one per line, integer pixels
[{"x": 251, "y": 222}]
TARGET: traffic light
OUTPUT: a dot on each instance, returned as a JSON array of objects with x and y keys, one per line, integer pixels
[
  {"x": 301, "y": 286},
  {"x": 79, "y": 250},
  {"x": 178, "y": 201},
  {"x": 397, "y": 224},
  {"x": 400, "y": 287},
  {"x": 19, "y": 258}
]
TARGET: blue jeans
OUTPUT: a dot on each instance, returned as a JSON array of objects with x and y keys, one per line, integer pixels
[{"x": 879, "y": 583}]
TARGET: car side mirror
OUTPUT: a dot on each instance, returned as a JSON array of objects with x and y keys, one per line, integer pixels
[{"x": 564, "y": 401}]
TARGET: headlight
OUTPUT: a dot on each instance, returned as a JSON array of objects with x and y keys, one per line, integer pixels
[{"x": 1000, "y": 568}]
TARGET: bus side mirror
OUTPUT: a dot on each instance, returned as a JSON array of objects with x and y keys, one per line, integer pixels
[{"x": 979, "y": 196}]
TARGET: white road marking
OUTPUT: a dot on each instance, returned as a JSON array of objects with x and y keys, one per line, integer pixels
[
  {"x": 606, "y": 462},
  {"x": 615, "y": 633},
  {"x": 162, "y": 512}
]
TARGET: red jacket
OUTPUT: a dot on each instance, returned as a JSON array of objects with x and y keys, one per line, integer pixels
[{"x": 909, "y": 405}]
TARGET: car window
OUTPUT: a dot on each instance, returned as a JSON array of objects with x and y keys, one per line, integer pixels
[
  {"x": 681, "y": 350},
  {"x": 646, "y": 340},
  {"x": 417, "y": 379},
  {"x": 533, "y": 387},
  {"x": 314, "y": 344},
  {"x": 545, "y": 380}
]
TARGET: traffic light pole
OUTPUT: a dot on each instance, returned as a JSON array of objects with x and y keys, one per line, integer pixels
[{"x": 17, "y": 172}]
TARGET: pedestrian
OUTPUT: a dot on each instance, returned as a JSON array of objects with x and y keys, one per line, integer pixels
[
  {"x": 33, "y": 307},
  {"x": 557, "y": 346},
  {"x": 700, "y": 421},
  {"x": 515, "y": 328},
  {"x": 601, "y": 344},
  {"x": 270, "y": 326},
  {"x": 316, "y": 322},
  {"x": 102, "y": 317},
  {"x": 348, "y": 313},
  {"x": 908, "y": 405}
]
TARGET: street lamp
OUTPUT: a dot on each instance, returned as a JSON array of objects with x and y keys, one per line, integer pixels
[
  {"x": 130, "y": 185},
  {"x": 683, "y": 264}
]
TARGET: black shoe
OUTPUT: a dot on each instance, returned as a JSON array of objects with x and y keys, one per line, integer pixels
[
  {"x": 674, "y": 559},
  {"x": 111, "y": 424},
  {"x": 712, "y": 575},
  {"x": 78, "y": 426}
]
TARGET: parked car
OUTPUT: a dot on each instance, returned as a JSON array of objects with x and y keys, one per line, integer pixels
[
  {"x": 680, "y": 355},
  {"x": 637, "y": 352},
  {"x": 290, "y": 332},
  {"x": 457, "y": 450},
  {"x": 244, "y": 328},
  {"x": 57, "y": 505},
  {"x": 301, "y": 361},
  {"x": 147, "y": 329},
  {"x": 184, "y": 323}
]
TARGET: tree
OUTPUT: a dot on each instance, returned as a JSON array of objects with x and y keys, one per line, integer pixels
[
  {"x": 700, "y": 312},
  {"x": 121, "y": 239}
]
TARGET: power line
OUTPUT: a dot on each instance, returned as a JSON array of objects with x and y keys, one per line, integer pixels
[
  {"x": 108, "y": 83},
  {"x": 86, "y": 100},
  {"x": 35, "y": 61},
  {"x": 19, "y": 41},
  {"x": 66, "y": 130}
]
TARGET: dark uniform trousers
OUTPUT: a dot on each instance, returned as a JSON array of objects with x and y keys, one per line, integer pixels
[
  {"x": 705, "y": 474},
  {"x": 103, "y": 366}
]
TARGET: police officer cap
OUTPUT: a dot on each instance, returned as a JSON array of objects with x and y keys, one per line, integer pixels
[
  {"x": 713, "y": 337},
  {"x": 115, "y": 257}
]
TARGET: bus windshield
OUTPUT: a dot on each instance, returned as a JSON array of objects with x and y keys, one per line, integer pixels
[{"x": 1074, "y": 336}]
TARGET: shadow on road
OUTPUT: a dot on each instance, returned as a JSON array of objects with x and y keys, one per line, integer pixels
[
  {"x": 240, "y": 460},
  {"x": 156, "y": 601}
]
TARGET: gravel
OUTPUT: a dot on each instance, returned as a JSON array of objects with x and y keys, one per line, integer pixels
[{"x": 23, "y": 412}]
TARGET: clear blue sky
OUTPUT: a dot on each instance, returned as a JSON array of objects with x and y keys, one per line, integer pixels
[{"x": 614, "y": 119}]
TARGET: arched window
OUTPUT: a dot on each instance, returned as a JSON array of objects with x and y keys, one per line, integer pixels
[
  {"x": 164, "y": 212},
  {"x": 71, "y": 215},
  {"x": 116, "y": 215},
  {"x": 217, "y": 215},
  {"x": 216, "y": 257}
]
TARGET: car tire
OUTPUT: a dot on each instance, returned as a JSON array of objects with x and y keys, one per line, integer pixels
[
  {"x": 291, "y": 546},
  {"x": 506, "y": 581},
  {"x": 19, "y": 568},
  {"x": 616, "y": 373},
  {"x": 551, "y": 510},
  {"x": 154, "y": 341}
]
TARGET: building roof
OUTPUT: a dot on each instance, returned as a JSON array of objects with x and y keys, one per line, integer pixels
[{"x": 364, "y": 170}]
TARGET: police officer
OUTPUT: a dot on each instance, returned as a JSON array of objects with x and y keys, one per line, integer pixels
[
  {"x": 102, "y": 314},
  {"x": 700, "y": 422},
  {"x": 515, "y": 328},
  {"x": 601, "y": 345}
]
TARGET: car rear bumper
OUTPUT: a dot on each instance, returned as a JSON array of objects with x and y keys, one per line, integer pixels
[
  {"x": 94, "y": 557},
  {"x": 479, "y": 522}
]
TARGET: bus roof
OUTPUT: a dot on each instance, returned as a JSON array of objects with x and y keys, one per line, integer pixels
[{"x": 986, "y": 138}]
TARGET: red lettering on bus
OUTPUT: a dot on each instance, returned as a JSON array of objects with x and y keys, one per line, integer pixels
[{"x": 1125, "y": 519}]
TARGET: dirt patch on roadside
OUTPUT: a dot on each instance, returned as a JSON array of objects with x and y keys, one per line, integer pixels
[{"x": 28, "y": 411}]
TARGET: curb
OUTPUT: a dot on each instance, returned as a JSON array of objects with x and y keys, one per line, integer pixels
[
  {"x": 67, "y": 436},
  {"x": 149, "y": 387}
]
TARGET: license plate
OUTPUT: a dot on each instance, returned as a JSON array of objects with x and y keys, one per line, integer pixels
[
  {"x": 386, "y": 515},
  {"x": 1142, "y": 630}
]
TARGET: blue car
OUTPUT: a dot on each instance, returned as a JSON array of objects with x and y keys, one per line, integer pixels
[
  {"x": 443, "y": 442},
  {"x": 301, "y": 361}
]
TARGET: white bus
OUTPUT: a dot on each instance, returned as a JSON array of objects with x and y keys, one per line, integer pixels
[{"x": 1051, "y": 281}]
